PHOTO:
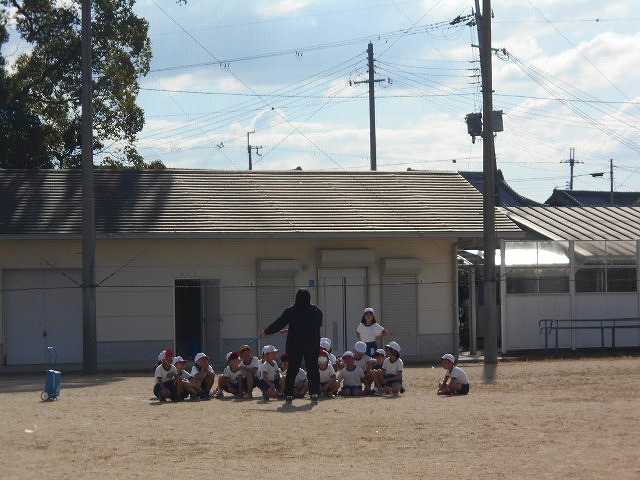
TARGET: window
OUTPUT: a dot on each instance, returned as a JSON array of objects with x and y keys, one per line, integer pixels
[
  {"x": 590, "y": 280},
  {"x": 553, "y": 280},
  {"x": 538, "y": 280},
  {"x": 606, "y": 279},
  {"x": 522, "y": 280},
  {"x": 621, "y": 280}
]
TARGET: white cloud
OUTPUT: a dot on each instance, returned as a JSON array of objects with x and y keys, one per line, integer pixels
[
  {"x": 184, "y": 81},
  {"x": 273, "y": 8}
]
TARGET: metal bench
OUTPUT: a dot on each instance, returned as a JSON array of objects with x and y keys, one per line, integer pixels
[{"x": 549, "y": 325}]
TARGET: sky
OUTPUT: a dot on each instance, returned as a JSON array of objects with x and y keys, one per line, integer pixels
[{"x": 289, "y": 71}]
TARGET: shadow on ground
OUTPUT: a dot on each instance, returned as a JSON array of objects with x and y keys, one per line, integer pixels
[{"x": 36, "y": 383}]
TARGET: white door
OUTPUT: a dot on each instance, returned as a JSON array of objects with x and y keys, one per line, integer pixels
[
  {"x": 342, "y": 296},
  {"x": 42, "y": 308}
]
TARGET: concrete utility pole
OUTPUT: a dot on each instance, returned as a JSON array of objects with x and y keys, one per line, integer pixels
[
  {"x": 611, "y": 202},
  {"x": 372, "y": 106},
  {"x": 250, "y": 147},
  {"x": 489, "y": 310},
  {"x": 372, "y": 109},
  {"x": 571, "y": 162},
  {"x": 89, "y": 331}
]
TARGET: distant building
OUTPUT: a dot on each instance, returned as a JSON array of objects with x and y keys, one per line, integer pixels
[
  {"x": 587, "y": 198},
  {"x": 505, "y": 195},
  {"x": 580, "y": 269}
]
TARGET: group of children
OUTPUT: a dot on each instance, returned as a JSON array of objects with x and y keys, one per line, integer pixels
[
  {"x": 175, "y": 383},
  {"x": 365, "y": 370}
]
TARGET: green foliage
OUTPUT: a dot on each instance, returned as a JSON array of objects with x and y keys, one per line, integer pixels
[
  {"x": 44, "y": 84},
  {"x": 132, "y": 159}
]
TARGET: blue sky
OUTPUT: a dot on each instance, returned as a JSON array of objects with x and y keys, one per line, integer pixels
[{"x": 283, "y": 69}]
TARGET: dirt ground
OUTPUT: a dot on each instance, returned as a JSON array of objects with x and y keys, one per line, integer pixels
[{"x": 550, "y": 419}]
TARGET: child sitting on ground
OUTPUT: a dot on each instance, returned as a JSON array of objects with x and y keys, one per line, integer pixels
[
  {"x": 392, "y": 368},
  {"x": 301, "y": 384},
  {"x": 248, "y": 367},
  {"x": 328, "y": 383},
  {"x": 325, "y": 344},
  {"x": 364, "y": 361},
  {"x": 269, "y": 373},
  {"x": 183, "y": 376},
  {"x": 351, "y": 376},
  {"x": 455, "y": 381},
  {"x": 376, "y": 371},
  {"x": 203, "y": 376},
  {"x": 166, "y": 386},
  {"x": 229, "y": 381}
]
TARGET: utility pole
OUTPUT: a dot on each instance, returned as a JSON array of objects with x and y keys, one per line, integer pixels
[
  {"x": 89, "y": 331},
  {"x": 372, "y": 106},
  {"x": 249, "y": 148},
  {"x": 611, "y": 202},
  {"x": 571, "y": 162},
  {"x": 489, "y": 310}
]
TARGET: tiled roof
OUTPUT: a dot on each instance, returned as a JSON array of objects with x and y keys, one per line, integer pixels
[
  {"x": 579, "y": 223},
  {"x": 506, "y": 196},
  {"x": 244, "y": 204},
  {"x": 589, "y": 198}
]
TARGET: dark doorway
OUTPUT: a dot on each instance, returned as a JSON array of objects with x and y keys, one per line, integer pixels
[{"x": 188, "y": 315}]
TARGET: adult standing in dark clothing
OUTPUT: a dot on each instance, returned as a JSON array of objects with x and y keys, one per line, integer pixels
[{"x": 303, "y": 341}]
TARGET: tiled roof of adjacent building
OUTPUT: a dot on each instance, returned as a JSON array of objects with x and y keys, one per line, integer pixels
[
  {"x": 505, "y": 195},
  {"x": 242, "y": 204},
  {"x": 589, "y": 198}
]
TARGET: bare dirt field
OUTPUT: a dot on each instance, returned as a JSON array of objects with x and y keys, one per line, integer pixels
[{"x": 550, "y": 419}]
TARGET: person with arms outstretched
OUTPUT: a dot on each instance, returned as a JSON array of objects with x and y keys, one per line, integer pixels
[{"x": 303, "y": 341}]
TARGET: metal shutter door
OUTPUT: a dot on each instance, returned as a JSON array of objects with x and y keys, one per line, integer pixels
[
  {"x": 274, "y": 295},
  {"x": 399, "y": 311}
]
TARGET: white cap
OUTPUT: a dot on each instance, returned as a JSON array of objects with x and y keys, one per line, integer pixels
[
  {"x": 369, "y": 310},
  {"x": 161, "y": 355},
  {"x": 360, "y": 347},
  {"x": 178, "y": 359},
  {"x": 381, "y": 351},
  {"x": 448, "y": 356},
  {"x": 325, "y": 343},
  {"x": 393, "y": 345},
  {"x": 348, "y": 353},
  {"x": 269, "y": 349},
  {"x": 199, "y": 356}
]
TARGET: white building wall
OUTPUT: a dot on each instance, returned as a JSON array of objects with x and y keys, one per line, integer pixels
[{"x": 135, "y": 294}]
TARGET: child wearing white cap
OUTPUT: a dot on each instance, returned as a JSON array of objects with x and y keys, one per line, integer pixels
[
  {"x": 203, "y": 376},
  {"x": 376, "y": 371},
  {"x": 365, "y": 362},
  {"x": 183, "y": 379},
  {"x": 328, "y": 383},
  {"x": 370, "y": 331},
  {"x": 455, "y": 381},
  {"x": 392, "y": 367},
  {"x": 269, "y": 373},
  {"x": 325, "y": 344},
  {"x": 351, "y": 376},
  {"x": 229, "y": 381}
]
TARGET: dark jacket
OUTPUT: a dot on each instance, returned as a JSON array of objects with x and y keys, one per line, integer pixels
[{"x": 304, "y": 321}]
